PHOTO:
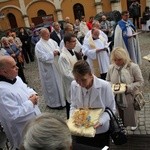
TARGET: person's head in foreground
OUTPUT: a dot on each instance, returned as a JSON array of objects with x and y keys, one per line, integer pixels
[
  {"x": 120, "y": 56},
  {"x": 82, "y": 74},
  {"x": 47, "y": 132}
]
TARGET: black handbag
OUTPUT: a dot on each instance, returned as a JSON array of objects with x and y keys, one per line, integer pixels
[{"x": 116, "y": 129}]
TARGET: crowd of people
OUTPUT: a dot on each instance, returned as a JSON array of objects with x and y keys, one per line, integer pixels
[{"x": 77, "y": 66}]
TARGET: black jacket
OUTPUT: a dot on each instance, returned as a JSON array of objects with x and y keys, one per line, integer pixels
[{"x": 55, "y": 37}]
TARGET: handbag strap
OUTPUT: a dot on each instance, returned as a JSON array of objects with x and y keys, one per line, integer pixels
[{"x": 111, "y": 114}]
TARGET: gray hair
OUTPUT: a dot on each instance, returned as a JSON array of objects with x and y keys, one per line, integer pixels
[
  {"x": 55, "y": 23},
  {"x": 96, "y": 24},
  {"x": 4, "y": 39},
  {"x": 47, "y": 132},
  {"x": 68, "y": 26},
  {"x": 43, "y": 30}
]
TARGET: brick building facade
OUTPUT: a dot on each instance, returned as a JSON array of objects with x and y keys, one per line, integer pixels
[{"x": 17, "y": 13}]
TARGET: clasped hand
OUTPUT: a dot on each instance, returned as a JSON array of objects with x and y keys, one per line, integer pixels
[
  {"x": 34, "y": 99},
  {"x": 56, "y": 53}
]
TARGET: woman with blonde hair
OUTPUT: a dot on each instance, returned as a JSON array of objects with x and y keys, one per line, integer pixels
[{"x": 123, "y": 70}]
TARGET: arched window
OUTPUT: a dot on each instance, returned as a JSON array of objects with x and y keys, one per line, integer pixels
[
  {"x": 12, "y": 20},
  {"x": 78, "y": 10},
  {"x": 41, "y": 13}
]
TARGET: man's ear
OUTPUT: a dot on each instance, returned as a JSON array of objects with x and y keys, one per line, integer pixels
[
  {"x": 71, "y": 148},
  {"x": 4, "y": 71}
]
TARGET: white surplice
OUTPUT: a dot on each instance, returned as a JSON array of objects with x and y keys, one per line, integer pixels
[
  {"x": 103, "y": 56},
  {"x": 66, "y": 62},
  {"x": 16, "y": 109},
  {"x": 49, "y": 71}
]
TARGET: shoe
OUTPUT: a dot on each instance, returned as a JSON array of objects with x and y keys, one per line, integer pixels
[
  {"x": 58, "y": 108},
  {"x": 134, "y": 128}
]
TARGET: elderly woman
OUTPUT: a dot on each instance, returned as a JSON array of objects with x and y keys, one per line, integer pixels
[
  {"x": 123, "y": 70},
  {"x": 47, "y": 132},
  {"x": 12, "y": 50},
  {"x": 88, "y": 91}
]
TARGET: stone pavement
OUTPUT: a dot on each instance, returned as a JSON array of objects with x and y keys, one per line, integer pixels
[
  {"x": 144, "y": 115},
  {"x": 135, "y": 137},
  {"x": 143, "y": 129}
]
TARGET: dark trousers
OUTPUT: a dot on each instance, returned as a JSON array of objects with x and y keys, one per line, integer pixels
[
  {"x": 100, "y": 140},
  {"x": 111, "y": 39},
  {"x": 27, "y": 53},
  {"x": 21, "y": 73},
  {"x": 136, "y": 19}
]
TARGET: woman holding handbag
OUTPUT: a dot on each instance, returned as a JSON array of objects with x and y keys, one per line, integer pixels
[{"x": 123, "y": 70}]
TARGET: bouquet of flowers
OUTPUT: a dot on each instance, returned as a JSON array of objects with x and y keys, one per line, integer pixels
[{"x": 82, "y": 118}]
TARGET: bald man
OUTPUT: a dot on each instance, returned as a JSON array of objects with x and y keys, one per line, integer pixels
[
  {"x": 96, "y": 24},
  {"x": 95, "y": 47},
  {"x": 47, "y": 53},
  {"x": 18, "y": 103}
]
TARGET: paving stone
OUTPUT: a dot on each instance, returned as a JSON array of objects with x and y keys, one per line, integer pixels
[
  {"x": 141, "y": 123},
  {"x": 143, "y": 132},
  {"x": 147, "y": 125},
  {"x": 141, "y": 128},
  {"x": 148, "y": 132},
  {"x": 136, "y": 132},
  {"x": 147, "y": 128},
  {"x": 32, "y": 75},
  {"x": 130, "y": 132},
  {"x": 142, "y": 119}
]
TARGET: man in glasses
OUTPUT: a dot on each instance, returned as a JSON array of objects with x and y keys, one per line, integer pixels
[{"x": 66, "y": 61}]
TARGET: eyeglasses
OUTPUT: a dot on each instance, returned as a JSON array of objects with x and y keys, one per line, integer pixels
[
  {"x": 73, "y": 41},
  {"x": 126, "y": 15}
]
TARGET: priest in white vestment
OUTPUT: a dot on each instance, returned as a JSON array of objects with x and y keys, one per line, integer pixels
[
  {"x": 96, "y": 24},
  {"x": 18, "y": 102},
  {"x": 96, "y": 48},
  {"x": 47, "y": 53},
  {"x": 66, "y": 62}
]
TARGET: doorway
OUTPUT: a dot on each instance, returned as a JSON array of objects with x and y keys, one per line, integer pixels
[
  {"x": 12, "y": 20},
  {"x": 78, "y": 10}
]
